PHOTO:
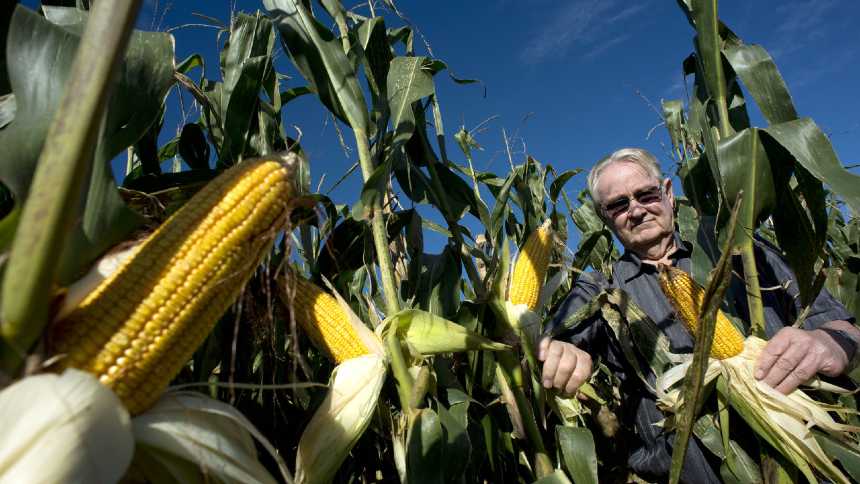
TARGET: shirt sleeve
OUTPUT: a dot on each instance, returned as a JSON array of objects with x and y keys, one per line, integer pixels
[
  {"x": 592, "y": 335},
  {"x": 824, "y": 308},
  {"x": 651, "y": 450},
  {"x": 587, "y": 286}
]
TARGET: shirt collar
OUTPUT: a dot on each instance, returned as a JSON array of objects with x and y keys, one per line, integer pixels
[{"x": 630, "y": 265}]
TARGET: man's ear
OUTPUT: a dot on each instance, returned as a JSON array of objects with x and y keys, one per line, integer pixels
[{"x": 668, "y": 190}]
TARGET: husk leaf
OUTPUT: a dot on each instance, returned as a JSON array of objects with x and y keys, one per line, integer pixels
[
  {"x": 188, "y": 437},
  {"x": 341, "y": 419},
  {"x": 63, "y": 428}
]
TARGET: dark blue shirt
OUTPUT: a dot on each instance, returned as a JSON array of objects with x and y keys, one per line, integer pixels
[{"x": 651, "y": 456}]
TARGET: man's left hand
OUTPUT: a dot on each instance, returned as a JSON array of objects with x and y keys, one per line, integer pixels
[{"x": 793, "y": 356}]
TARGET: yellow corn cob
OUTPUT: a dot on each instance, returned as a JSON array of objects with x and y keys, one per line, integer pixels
[
  {"x": 138, "y": 328},
  {"x": 530, "y": 269},
  {"x": 325, "y": 322},
  {"x": 686, "y": 297}
]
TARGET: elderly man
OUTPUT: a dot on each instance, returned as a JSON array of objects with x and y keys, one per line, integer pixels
[{"x": 637, "y": 204}]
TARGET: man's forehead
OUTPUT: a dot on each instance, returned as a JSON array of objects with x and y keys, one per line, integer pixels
[{"x": 621, "y": 175}]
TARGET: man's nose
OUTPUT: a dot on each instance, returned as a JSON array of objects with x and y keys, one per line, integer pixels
[{"x": 636, "y": 209}]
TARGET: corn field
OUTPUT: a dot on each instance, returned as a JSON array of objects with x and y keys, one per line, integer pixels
[{"x": 225, "y": 322}]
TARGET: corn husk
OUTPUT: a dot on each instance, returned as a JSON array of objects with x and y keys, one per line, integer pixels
[
  {"x": 344, "y": 415},
  {"x": 341, "y": 419},
  {"x": 784, "y": 420},
  {"x": 101, "y": 270},
  {"x": 63, "y": 428},
  {"x": 188, "y": 437},
  {"x": 525, "y": 321},
  {"x": 428, "y": 334}
]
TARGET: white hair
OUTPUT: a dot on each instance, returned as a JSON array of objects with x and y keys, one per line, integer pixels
[{"x": 637, "y": 156}]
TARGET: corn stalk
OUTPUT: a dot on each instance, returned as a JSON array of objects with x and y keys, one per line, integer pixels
[
  {"x": 386, "y": 272},
  {"x": 47, "y": 218},
  {"x": 706, "y": 20}
]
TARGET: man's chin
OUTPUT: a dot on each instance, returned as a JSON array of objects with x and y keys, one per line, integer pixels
[{"x": 646, "y": 236}]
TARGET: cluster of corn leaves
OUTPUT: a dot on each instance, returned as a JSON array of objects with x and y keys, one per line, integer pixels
[
  {"x": 789, "y": 164},
  {"x": 71, "y": 415},
  {"x": 463, "y": 409}
]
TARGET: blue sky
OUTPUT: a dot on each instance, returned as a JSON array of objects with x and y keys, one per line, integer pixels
[{"x": 569, "y": 81}]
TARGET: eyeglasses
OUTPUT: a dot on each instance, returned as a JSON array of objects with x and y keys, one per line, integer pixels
[{"x": 621, "y": 205}]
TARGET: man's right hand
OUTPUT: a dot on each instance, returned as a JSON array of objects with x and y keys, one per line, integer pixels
[{"x": 565, "y": 367}]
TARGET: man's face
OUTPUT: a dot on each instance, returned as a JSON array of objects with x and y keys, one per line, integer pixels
[{"x": 648, "y": 218}]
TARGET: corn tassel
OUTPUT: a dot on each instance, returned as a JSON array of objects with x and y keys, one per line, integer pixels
[
  {"x": 531, "y": 267},
  {"x": 138, "y": 328},
  {"x": 686, "y": 297},
  {"x": 325, "y": 321}
]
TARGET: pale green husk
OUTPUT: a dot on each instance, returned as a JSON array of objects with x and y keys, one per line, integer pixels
[
  {"x": 188, "y": 438},
  {"x": 524, "y": 320},
  {"x": 341, "y": 419},
  {"x": 784, "y": 420},
  {"x": 429, "y": 334}
]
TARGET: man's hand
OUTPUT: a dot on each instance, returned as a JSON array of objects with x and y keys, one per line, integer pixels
[
  {"x": 565, "y": 367},
  {"x": 793, "y": 356}
]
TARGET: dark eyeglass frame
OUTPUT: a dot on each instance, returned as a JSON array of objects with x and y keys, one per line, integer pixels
[{"x": 622, "y": 204}]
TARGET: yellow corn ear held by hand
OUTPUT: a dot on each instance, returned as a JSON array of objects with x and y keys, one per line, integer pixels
[
  {"x": 138, "y": 328},
  {"x": 686, "y": 297},
  {"x": 531, "y": 268},
  {"x": 325, "y": 322}
]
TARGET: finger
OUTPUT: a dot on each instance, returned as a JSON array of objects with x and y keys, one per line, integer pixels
[
  {"x": 771, "y": 353},
  {"x": 801, "y": 374},
  {"x": 566, "y": 366},
  {"x": 580, "y": 374},
  {"x": 543, "y": 346},
  {"x": 784, "y": 365},
  {"x": 550, "y": 365}
]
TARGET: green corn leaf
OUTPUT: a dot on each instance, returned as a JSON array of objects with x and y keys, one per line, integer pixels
[
  {"x": 847, "y": 455},
  {"x": 739, "y": 467},
  {"x": 557, "y": 477},
  {"x": 559, "y": 182},
  {"x": 577, "y": 449},
  {"x": 438, "y": 284},
  {"x": 501, "y": 208},
  {"x": 811, "y": 148},
  {"x": 760, "y": 76},
  {"x": 246, "y": 62},
  {"x": 673, "y": 117},
  {"x": 704, "y": 13},
  {"x": 319, "y": 56},
  {"x": 39, "y": 66},
  {"x": 425, "y": 449},
  {"x": 408, "y": 82},
  {"x": 458, "y": 446},
  {"x": 745, "y": 166}
]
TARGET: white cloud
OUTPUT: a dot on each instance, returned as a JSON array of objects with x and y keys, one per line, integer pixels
[
  {"x": 627, "y": 12},
  {"x": 804, "y": 17},
  {"x": 605, "y": 45},
  {"x": 677, "y": 88},
  {"x": 799, "y": 23},
  {"x": 802, "y": 30},
  {"x": 580, "y": 24},
  {"x": 824, "y": 67}
]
